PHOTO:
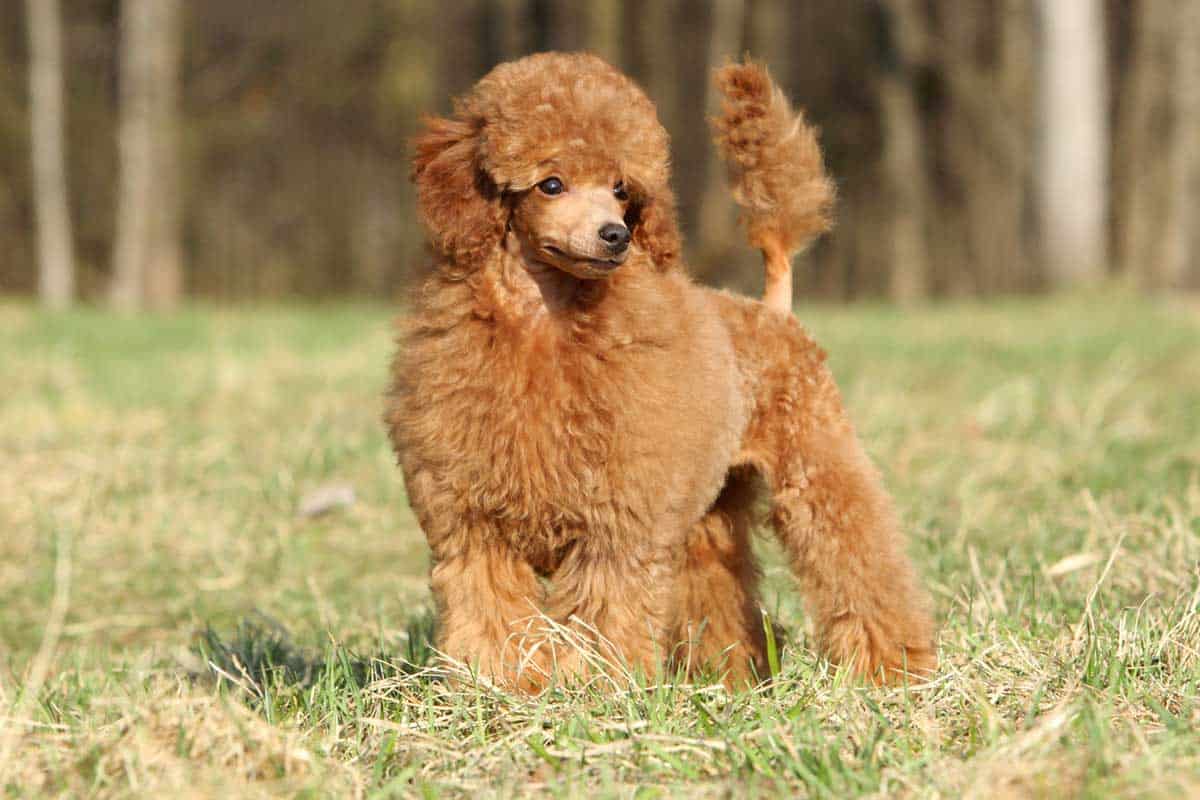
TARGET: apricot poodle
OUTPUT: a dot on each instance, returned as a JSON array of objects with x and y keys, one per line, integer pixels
[{"x": 585, "y": 433}]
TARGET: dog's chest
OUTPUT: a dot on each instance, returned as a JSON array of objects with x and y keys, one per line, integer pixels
[
  {"x": 559, "y": 446},
  {"x": 544, "y": 442}
]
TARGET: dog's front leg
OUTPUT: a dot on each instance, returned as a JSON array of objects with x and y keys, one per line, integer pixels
[
  {"x": 613, "y": 600},
  {"x": 487, "y": 597}
]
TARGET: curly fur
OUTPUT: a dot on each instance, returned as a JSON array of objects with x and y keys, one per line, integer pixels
[
  {"x": 776, "y": 172},
  {"x": 598, "y": 463}
]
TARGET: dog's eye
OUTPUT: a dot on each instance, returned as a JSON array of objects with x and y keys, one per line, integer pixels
[
  {"x": 551, "y": 186},
  {"x": 620, "y": 192}
]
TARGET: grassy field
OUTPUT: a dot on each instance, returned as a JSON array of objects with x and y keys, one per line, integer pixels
[{"x": 171, "y": 626}]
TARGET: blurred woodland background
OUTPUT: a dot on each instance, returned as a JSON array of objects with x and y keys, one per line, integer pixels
[{"x": 152, "y": 149}]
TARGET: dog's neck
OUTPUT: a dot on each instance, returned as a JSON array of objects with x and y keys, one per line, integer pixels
[
  {"x": 536, "y": 288},
  {"x": 558, "y": 290}
]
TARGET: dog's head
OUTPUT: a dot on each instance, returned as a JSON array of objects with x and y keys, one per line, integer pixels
[{"x": 560, "y": 151}]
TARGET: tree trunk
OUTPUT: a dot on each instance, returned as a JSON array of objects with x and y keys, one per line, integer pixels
[
  {"x": 718, "y": 237},
  {"x": 644, "y": 27},
  {"x": 56, "y": 260},
  {"x": 1156, "y": 143},
  {"x": 557, "y": 26},
  {"x": 904, "y": 167},
  {"x": 147, "y": 263},
  {"x": 1180, "y": 268},
  {"x": 1017, "y": 263},
  {"x": 767, "y": 38},
  {"x": 510, "y": 34},
  {"x": 604, "y": 29},
  {"x": 1073, "y": 165}
]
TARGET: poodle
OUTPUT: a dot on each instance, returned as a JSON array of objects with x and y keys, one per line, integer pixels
[{"x": 586, "y": 434}]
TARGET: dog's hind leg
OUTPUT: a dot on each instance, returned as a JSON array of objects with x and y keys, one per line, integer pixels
[
  {"x": 719, "y": 626},
  {"x": 836, "y": 523}
]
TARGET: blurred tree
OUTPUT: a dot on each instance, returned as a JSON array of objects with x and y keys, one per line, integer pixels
[
  {"x": 1157, "y": 169},
  {"x": 558, "y": 24},
  {"x": 385, "y": 236},
  {"x": 903, "y": 35},
  {"x": 767, "y": 34},
  {"x": 18, "y": 267},
  {"x": 147, "y": 262},
  {"x": 508, "y": 33},
  {"x": 980, "y": 106},
  {"x": 643, "y": 29},
  {"x": 716, "y": 230},
  {"x": 603, "y": 35},
  {"x": 683, "y": 109},
  {"x": 1072, "y": 169},
  {"x": 56, "y": 259},
  {"x": 1183, "y": 255},
  {"x": 294, "y": 120}
]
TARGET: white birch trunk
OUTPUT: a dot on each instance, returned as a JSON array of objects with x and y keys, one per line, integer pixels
[{"x": 1072, "y": 170}]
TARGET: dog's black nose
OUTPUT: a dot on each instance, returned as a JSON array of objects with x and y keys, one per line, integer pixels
[{"x": 616, "y": 236}]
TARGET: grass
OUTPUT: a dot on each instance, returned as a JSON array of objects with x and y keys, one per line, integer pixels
[{"x": 171, "y": 626}]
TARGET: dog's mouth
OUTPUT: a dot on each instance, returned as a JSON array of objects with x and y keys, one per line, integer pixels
[{"x": 561, "y": 258}]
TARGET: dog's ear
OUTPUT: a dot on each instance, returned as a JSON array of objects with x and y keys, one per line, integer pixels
[
  {"x": 652, "y": 218},
  {"x": 458, "y": 202}
]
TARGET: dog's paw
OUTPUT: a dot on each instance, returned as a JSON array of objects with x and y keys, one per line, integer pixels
[
  {"x": 910, "y": 664},
  {"x": 877, "y": 653}
]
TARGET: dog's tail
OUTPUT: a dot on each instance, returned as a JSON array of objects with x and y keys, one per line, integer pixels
[{"x": 776, "y": 172}]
